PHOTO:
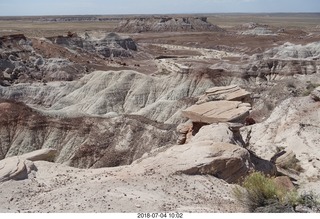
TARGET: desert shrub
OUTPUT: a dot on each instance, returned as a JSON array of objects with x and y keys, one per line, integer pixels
[{"x": 260, "y": 190}]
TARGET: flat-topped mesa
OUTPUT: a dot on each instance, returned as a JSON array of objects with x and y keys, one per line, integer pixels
[
  {"x": 230, "y": 93},
  {"x": 167, "y": 24},
  {"x": 218, "y": 111}
]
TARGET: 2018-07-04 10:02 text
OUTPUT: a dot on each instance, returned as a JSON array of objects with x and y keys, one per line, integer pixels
[{"x": 160, "y": 215}]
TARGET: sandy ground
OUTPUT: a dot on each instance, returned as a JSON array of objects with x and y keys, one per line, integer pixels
[{"x": 137, "y": 188}]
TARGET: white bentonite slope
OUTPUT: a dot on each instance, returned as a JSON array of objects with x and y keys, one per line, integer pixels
[{"x": 100, "y": 93}]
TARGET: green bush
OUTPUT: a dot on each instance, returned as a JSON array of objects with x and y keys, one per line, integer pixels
[{"x": 260, "y": 190}]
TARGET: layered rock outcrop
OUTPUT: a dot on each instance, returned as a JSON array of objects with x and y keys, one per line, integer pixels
[
  {"x": 164, "y": 179},
  {"x": 230, "y": 93},
  {"x": 218, "y": 111},
  {"x": 219, "y": 104}
]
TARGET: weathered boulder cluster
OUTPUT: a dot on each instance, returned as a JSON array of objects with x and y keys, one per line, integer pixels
[
  {"x": 229, "y": 104},
  {"x": 217, "y": 117},
  {"x": 216, "y": 113}
]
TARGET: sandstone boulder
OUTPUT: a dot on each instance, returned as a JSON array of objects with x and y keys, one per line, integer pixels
[
  {"x": 46, "y": 154},
  {"x": 210, "y": 152},
  {"x": 13, "y": 168},
  {"x": 284, "y": 182},
  {"x": 143, "y": 186},
  {"x": 18, "y": 167},
  {"x": 182, "y": 131},
  {"x": 228, "y": 162},
  {"x": 218, "y": 111},
  {"x": 222, "y": 160},
  {"x": 215, "y": 133},
  {"x": 232, "y": 93}
]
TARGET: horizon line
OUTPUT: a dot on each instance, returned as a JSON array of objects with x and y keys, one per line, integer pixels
[{"x": 153, "y": 14}]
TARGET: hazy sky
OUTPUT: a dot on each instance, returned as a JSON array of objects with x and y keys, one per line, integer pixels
[{"x": 78, "y": 7}]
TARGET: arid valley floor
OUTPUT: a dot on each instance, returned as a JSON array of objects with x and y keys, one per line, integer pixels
[{"x": 164, "y": 113}]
